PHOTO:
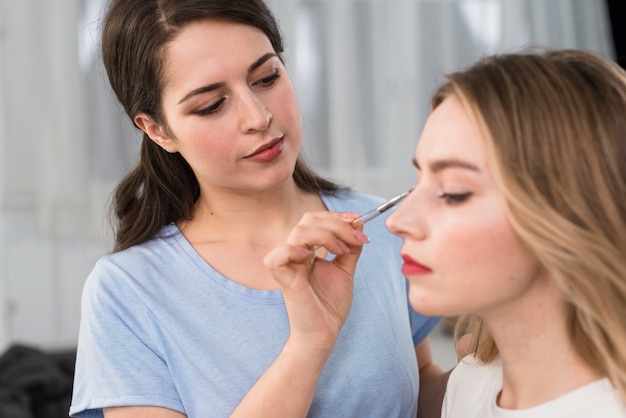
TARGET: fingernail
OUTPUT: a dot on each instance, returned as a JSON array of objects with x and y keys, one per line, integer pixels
[
  {"x": 361, "y": 236},
  {"x": 304, "y": 250},
  {"x": 349, "y": 215},
  {"x": 343, "y": 246}
]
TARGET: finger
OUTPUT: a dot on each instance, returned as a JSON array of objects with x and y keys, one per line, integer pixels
[
  {"x": 347, "y": 261},
  {"x": 333, "y": 231},
  {"x": 285, "y": 261},
  {"x": 314, "y": 217}
]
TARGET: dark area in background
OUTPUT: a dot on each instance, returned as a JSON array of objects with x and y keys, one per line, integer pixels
[
  {"x": 35, "y": 384},
  {"x": 618, "y": 28}
]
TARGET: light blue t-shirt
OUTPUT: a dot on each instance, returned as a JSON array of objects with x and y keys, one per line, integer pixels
[{"x": 160, "y": 327}]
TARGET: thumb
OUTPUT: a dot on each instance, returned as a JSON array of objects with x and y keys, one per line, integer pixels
[{"x": 285, "y": 261}]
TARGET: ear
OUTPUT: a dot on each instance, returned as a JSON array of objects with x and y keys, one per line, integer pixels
[{"x": 155, "y": 131}]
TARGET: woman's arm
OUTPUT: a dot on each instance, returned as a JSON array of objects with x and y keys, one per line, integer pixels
[
  {"x": 317, "y": 294},
  {"x": 433, "y": 382}
]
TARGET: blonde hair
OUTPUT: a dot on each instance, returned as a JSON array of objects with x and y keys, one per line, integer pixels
[{"x": 554, "y": 128}]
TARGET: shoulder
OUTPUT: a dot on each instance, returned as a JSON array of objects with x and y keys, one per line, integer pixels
[
  {"x": 472, "y": 370},
  {"x": 470, "y": 365},
  {"x": 599, "y": 398},
  {"x": 472, "y": 388},
  {"x": 128, "y": 268},
  {"x": 150, "y": 253},
  {"x": 350, "y": 200}
]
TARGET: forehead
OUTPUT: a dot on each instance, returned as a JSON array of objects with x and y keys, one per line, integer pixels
[
  {"x": 215, "y": 33},
  {"x": 213, "y": 49},
  {"x": 450, "y": 133}
]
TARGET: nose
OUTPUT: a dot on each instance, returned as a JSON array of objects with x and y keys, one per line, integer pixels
[
  {"x": 255, "y": 115},
  {"x": 405, "y": 220}
]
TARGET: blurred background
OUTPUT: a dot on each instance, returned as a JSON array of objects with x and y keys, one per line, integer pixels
[{"x": 363, "y": 69}]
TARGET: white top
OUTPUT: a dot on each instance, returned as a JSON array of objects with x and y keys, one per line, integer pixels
[{"x": 473, "y": 388}]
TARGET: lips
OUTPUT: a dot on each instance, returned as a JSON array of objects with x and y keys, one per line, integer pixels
[
  {"x": 265, "y": 147},
  {"x": 412, "y": 267}
]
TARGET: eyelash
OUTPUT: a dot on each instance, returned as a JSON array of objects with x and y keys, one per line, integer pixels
[
  {"x": 268, "y": 81},
  {"x": 454, "y": 198},
  {"x": 211, "y": 109},
  {"x": 264, "y": 82}
]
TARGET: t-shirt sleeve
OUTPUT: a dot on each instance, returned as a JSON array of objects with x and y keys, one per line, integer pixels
[
  {"x": 118, "y": 362},
  {"x": 472, "y": 389},
  {"x": 421, "y": 325}
]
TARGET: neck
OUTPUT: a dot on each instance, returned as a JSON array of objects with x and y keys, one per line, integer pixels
[
  {"x": 539, "y": 360},
  {"x": 226, "y": 215}
]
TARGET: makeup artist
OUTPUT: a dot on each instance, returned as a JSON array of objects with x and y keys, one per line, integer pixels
[{"x": 183, "y": 318}]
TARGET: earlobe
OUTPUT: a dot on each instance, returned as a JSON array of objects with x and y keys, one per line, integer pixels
[{"x": 154, "y": 131}]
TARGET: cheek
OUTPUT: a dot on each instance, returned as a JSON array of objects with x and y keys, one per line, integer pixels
[
  {"x": 204, "y": 147},
  {"x": 477, "y": 237},
  {"x": 489, "y": 264},
  {"x": 476, "y": 253},
  {"x": 285, "y": 105},
  {"x": 217, "y": 136},
  {"x": 477, "y": 248}
]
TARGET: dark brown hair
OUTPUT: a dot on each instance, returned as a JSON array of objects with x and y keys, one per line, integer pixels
[{"x": 162, "y": 188}]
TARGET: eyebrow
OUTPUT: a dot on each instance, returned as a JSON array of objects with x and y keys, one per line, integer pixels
[
  {"x": 214, "y": 86},
  {"x": 440, "y": 165}
]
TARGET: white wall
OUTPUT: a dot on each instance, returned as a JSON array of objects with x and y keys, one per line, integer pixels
[
  {"x": 42, "y": 269},
  {"x": 4, "y": 336}
]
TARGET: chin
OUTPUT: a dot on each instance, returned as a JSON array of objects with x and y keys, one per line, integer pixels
[
  {"x": 425, "y": 305},
  {"x": 277, "y": 179}
]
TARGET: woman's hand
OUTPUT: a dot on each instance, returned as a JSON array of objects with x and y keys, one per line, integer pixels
[
  {"x": 318, "y": 292},
  {"x": 318, "y": 295}
]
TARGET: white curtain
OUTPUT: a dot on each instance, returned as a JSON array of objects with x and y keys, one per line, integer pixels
[{"x": 364, "y": 70}]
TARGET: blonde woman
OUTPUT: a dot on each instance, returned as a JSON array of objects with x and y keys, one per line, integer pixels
[{"x": 519, "y": 221}]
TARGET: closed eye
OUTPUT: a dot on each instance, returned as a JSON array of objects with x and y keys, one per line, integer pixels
[
  {"x": 211, "y": 109},
  {"x": 267, "y": 81},
  {"x": 454, "y": 198}
]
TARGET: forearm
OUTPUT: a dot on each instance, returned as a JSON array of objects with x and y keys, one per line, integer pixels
[
  {"x": 317, "y": 295},
  {"x": 287, "y": 386},
  {"x": 433, "y": 382}
]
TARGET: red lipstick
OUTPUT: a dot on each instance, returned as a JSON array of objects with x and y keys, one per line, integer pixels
[{"x": 412, "y": 267}]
